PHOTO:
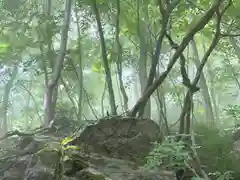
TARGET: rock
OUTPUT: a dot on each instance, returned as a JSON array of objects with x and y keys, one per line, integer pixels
[
  {"x": 46, "y": 158},
  {"x": 112, "y": 149},
  {"x": 39, "y": 173},
  {"x": 24, "y": 141},
  {"x": 120, "y": 137},
  {"x": 64, "y": 124},
  {"x": 12, "y": 174},
  {"x": 236, "y": 147},
  {"x": 91, "y": 174},
  {"x": 236, "y": 134},
  {"x": 235, "y": 131}
]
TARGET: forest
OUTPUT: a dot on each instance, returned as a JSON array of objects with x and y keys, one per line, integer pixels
[{"x": 119, "y": 90}]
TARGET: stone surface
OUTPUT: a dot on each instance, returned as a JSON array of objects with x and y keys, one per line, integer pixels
[
  {"x": 117, "y": 145},
  {"x": 125, "y": 138}
]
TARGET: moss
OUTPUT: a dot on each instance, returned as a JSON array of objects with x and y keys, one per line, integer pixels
[
  {"x": 215, "y": 150},
  {"x": 87, "y": 175}
]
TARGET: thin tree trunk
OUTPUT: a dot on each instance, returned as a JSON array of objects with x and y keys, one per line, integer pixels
[
  {"x": 196, "y": 27},
  {"x": 119, "y": 59},
  {"x": 48, "y": 110},
  {"x": 105, "y": 60},
  {"x": 162, "y": 109},
  {"x": 185, "y": 118},
  {"x": 142, "y": 71},
  {"x": 50, "y": 52},
  {"x": 80, "y": 72},
  {"x": 102, "y": 99},
  {"x": 203, "y": 85},
  {"x": 7, "y": 90},
  {"x": 68, "y": 91},
  {"x": 212, "y": 93},
  {"x": 236, "y": 49}
]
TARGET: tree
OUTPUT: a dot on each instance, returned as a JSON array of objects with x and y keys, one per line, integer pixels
[
  {"x": 48, "y": 111},
  {"x": 196, "y": 27},
  {"x": 105, "y": 60},
  {"x": 111, "y": 40},
  {"x": 203, "y": 85}
]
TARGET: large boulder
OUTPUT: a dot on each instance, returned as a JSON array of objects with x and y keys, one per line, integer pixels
[
  {"x": 111, "y": 149},
  {"x": 120, "y": 137},
  {"x": 236, "y": 133}
]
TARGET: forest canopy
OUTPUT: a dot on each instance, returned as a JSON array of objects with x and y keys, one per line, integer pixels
[
  {"x": 173, "y": 62},
  {"x": 143, "y": 58}
]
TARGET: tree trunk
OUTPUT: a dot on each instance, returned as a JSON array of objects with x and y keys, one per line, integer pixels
[
  {"x": 162, "y": 109},
  {"x": 80, "y": 90},
  {"x": 105, "y": 60},
  {"x": 237, "y": 51},
  {"x": 142, "y": 66},
  {"x": 119, "y": 60},
  {"x": 196, "y": 27},
  {"x": 80, "y": 71},
  {"x": 7, "y": 90},
  {"x": 185, "y": 118},
  {"x": 203, "y": 86},
  {"x": 48, "y": 110},
  {"x": 143, "y": 78},
  {"x": 142, "y": 71},
  {"x": 50, "y": 52},
  {"x": 212, "y": 93}
]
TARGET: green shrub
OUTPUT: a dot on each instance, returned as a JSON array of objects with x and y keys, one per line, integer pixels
[
  {"x": 214, "y": 148},
  {"x": 215, "y": 151},
  {"x": 168, "y": 154}
]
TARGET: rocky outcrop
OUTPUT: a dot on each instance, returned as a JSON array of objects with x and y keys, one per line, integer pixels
[
  {"x": 124, "y": 138},
  {"x": 112, "y": 149}
]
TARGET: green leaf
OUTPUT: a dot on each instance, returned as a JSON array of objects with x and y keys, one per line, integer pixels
[
  {"x": 71, "y": 147},
  {"x": 201, "y": 110},
  {"x": 4, "y": 47},
  {"x": 97, "y": 67},
  {"x": 67, "y": 140},
  {"x": 100, "y": 1},
  {"x": 65, "y": 158}
]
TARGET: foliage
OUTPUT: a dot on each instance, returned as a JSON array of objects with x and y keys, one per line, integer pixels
[
  {"x": 215, "y": 151},
  {"x": 168, "y": 154},
  {"x": 29, "y": 39},
  {"x": 27, "y": 36},
  {"x": 228, "y": 175},
  {"x": 64, "y": 151},
  {"x": 233, "y": 111}
]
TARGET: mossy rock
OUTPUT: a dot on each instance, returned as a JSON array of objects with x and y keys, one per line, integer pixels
[{"x": 90, "y": 174}]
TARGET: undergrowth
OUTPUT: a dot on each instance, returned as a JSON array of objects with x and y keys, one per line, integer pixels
[{"x": 214, "y": 149}]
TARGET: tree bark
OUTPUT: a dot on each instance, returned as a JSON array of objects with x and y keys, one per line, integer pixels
[
  {"x": 237, "y": 51},
  {"x": 141, "y": 103},
  {"x": 212, "y": 92},
  {"x": 203, "y": 86},
  {"x": 48, "y": 110},
  {"x": 119, "y": 59},
  {"x": 80, "y": 72},
  {"x": 185, "y": 118},
  {"x": 7, "y": 90},
  {"x": 142, "y": 66},
  {"x": 105, "y": 60}
]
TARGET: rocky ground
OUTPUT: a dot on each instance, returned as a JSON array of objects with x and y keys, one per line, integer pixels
[{"x": 112, "y": 149}]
